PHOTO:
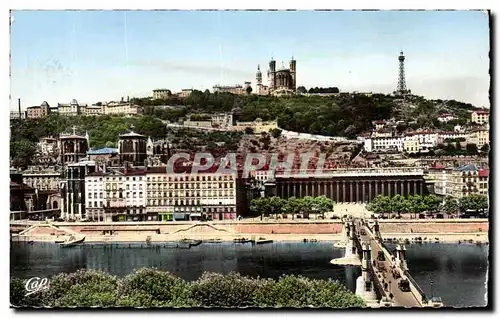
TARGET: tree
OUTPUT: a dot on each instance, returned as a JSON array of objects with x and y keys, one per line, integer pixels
[
  {"x": 432, "y": 203},
  {"x": 22, "y": 152},
  {"x": 471, "y": 149},
  {"x": 293, "y": 206},
  {"x": 485, "y": 148},
  {"x": 418, "y": 204},
  {"x": 276, "y": 205},
  {"x": 398, "y": 203},
  {"x": 249, "y": 89},
  {"x": 474, "y": 203},
  {"x": 450, "y": 206},
  {"x": 301, "y": 90},
  {"x": 275, "y": 132},
  {"x": 323, "y": 204},
  {"x": 380, "y": 205},
  {"x": 249, "y": 130}
]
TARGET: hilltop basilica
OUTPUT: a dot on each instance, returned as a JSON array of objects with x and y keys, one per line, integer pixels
[{"x": 280, "y": 82}]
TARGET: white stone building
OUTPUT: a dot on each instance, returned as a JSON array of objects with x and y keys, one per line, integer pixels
[{"x": 388, "y": 144}]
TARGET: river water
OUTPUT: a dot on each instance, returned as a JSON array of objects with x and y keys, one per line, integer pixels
[{"x": 458, "y": 271}]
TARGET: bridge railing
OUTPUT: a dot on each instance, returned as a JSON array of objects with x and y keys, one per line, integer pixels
[{"x": 416, "y": 289}]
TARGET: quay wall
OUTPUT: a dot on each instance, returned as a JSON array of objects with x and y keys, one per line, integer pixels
[{"x": 246, "y": 228}]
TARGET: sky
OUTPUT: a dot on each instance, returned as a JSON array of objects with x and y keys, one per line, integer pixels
[{"x": 92, "y": 56}]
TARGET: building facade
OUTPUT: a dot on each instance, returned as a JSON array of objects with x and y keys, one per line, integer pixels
[
  {"x": 73, "y": 147},
  {"x": 353, "y": 186},
  {"x": 480, "y": 117},
  {"x": 480, "y": 137},
  {"x": 461, "y": 181},
  {"x": 121, "y": 109},
  {"x": 73, "y": 205},
  {"x": 161, "y": 93},
  {"x": 38, "y": 111},
  {"x": 132, "y": 148},
  {"x": 14, "y": 114},
  {"x": 189, "y": 196},
  {"x": 387, "y": 144},
  {"x": 43, "y": 178},
  {"x": 116, "y": 195}
]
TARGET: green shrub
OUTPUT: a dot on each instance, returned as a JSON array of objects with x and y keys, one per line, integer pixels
[
  {"x": 220, "y": 290},
  {"x": 154, "y": 288},
  {"x": 148, "y": 287}
]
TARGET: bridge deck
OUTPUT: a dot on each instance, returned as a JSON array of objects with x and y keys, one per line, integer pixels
[{"x": 401, "y": 298}]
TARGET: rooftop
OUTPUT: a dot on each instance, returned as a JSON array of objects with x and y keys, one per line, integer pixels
[
  {"x": 102, "y": 151},
  {"x": 466, "y": 168},
  {"x": 484, "y": 172}
]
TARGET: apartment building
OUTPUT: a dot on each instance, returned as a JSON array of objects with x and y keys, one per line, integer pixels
[
  {"x": 38, "y": 111},
  {"x": 466, "y": 180},
  {"x": 116, "y": 195},
  {"x": 387, "y": 144},
  {"x": 14, "y": 114},
  {"x": 174, "y": 196},
  {"x": 480, "y": 117},
  {"x": 121, "y": 109},
  {"x": 444, "y": 118},
  {"x": 443, "y": 136},
  {"x": 71, "y": 109},
  {"x": 411, "y": 144},
  {"x": 42, "y": 178},
  {"x": 480, "y": 137},
  {"x": 161, "y": 93}
]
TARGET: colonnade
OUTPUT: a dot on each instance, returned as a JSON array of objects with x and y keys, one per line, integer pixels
[{"x": 345, "y": 190}]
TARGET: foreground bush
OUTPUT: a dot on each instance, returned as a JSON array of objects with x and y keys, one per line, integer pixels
[{"x": 154, "y": 288}]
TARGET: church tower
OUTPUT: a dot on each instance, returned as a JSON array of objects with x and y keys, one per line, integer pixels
[
  {"x": 293, "y": 73},
  {"x": 258, "y": 80},
  {"x": 272, "y": 74}
]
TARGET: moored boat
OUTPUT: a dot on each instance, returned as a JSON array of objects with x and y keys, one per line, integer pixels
[{"x": 72, "y": 241}]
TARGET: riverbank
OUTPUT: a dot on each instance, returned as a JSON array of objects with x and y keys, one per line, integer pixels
[
  {"x": 433, "y": 230},
  {"x": 424, "y": 237}
]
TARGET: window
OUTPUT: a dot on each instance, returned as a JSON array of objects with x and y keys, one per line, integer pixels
[
  {"x": 128, "y": 186},
  {"x": 133, "y": 195},
  {"x": 90, "y": 195},
  {"x": 140, "y": 194},
  {"x": 128, "y": 194},
  {"x": 133, "y": 178}
]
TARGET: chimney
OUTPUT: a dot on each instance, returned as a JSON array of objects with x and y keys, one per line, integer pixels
[{"x": 19, "y": 107}]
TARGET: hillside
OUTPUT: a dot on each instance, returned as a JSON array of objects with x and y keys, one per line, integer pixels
[{"x": 343, "y": 115}]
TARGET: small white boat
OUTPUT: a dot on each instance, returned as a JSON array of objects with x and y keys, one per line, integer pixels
[{"x": 72, "y": 241}]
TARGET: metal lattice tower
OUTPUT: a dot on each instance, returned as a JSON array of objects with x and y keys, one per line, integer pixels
[{"x": 401, "y": 89}]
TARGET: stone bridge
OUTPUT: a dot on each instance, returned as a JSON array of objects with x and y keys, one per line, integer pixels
[{"x": 385, "y": 280}]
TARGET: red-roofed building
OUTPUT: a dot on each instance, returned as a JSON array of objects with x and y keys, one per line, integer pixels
[
  {"x": 480, "y": 116},
  {"x": 483, "y": 181},
  {"x": 446, "y": 117}
]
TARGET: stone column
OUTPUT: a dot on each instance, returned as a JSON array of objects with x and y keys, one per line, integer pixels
[
  {"x": 369, "y": 190},
  {"x": 351, "y": 199},
  {"x": 337, "y": 190},
  {"x": 383, "y": 187},
  {"x": 402, "y": 188},
  {"x": 408, "y": 192},
  {"x": 325, "y": 193},
  {"x": 363, "y": 184},
  {"x": 421, "y": 188},
  {"x": 331, "y": 190},
  {"x": 343, "y": 191}
]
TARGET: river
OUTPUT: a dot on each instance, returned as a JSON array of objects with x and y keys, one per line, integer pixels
[{"x": 458, "y": 271}]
